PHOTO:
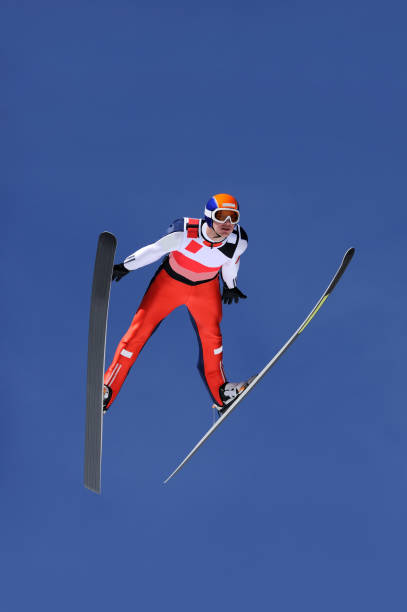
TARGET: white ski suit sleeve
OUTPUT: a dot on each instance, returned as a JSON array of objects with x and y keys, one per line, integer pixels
[
  {"x": 230, "y": 269},
  {"x": 229, "y": 273},
  {"x": 153, "y": 252}
]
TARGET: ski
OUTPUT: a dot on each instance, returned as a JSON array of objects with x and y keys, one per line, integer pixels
[
  {"x": 345, "y": 262},
  {"x": 99, "y": 306}
]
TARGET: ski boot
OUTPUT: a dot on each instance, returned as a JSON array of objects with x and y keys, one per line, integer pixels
[
  {"x": 229, "y": 392},
  {"x": 107, "y": 394}
]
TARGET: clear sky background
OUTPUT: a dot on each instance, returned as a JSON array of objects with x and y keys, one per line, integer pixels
[{"x": 123, "y": 116}]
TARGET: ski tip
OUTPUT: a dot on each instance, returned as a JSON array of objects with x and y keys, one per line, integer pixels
[
  {"x": 347, "y": 257},
  {"x": 349, "y": 254},
  {"x": 108, "y": 236}
]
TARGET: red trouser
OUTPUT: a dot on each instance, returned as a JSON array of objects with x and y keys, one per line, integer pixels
[{"x": 162, "y": 297}]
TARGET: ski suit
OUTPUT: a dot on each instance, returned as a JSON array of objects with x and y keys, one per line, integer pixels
[{"x": 189, "y": 275}]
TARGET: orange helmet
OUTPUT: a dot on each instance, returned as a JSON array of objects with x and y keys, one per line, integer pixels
[{"x": 219, "y": 206}]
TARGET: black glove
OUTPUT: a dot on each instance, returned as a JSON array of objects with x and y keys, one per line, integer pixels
[
  {"x": 119, "y": 271},
  {"x": 229, "y": 295}
]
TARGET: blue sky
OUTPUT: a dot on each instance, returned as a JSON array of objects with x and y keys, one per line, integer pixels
[{"x": 123, "y": 116}]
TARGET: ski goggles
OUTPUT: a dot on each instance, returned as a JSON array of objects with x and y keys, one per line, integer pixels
[{"x": 221, "y": 215}]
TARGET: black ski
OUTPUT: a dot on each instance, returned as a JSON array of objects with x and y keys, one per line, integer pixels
[
  {"x": 346, "y": 259},
  {"x": 99, "y": 306}
]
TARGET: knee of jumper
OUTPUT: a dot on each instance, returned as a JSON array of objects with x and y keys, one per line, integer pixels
[
  {"x": 140, "y": 330},
  {"x": 209, "y": 334}
]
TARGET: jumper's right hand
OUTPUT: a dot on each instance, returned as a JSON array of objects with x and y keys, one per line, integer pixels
[{"x": 119, "y": 271}]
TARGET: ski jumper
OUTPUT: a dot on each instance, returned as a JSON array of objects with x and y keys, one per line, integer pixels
[{"x": 189, "y": 275}]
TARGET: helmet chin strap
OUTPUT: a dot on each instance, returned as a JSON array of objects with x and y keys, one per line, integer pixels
[
  {"x": 216, "y": 232},
  {"x": 212, "y": 228}
]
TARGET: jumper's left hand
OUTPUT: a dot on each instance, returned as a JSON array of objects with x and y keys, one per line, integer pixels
[{"x": 230, "y": 295}]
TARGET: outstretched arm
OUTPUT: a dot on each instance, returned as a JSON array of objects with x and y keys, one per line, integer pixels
[
  {"x": 152, "y": 252},
  {"x": 148, "y": 254}
]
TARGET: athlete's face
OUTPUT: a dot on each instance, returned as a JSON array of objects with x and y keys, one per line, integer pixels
[{"x": 223, "y": 229}]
